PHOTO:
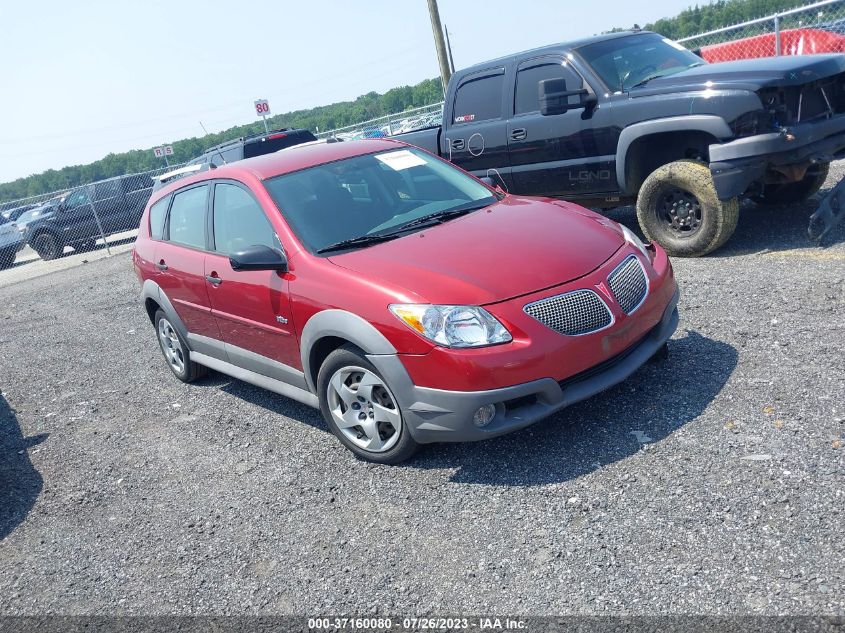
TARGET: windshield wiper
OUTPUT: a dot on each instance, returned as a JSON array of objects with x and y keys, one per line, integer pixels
[
  {"x": 439, "y": 217},
  {"x": 432, "y": 219},
  {"x": 645, "y": 81},
  {"x": 363, "y": 240}
]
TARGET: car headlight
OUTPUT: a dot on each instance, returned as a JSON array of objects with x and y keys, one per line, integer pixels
[
  {"x": 453, "y": 326},
  {"x": 634, "y": 241}
]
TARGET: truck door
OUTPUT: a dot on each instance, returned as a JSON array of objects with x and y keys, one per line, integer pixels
[
  {"x": 475, "y": 138},
  {"x": 570, "y": 154},
  {"x": 108, "y": 201}
]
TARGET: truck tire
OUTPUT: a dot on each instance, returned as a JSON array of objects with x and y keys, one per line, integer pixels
[
  {"x": 48, "y": 246},
  {"x": 678, "y": 208},
  {"x": 350, "y": 389},
  {"x": 793, "y": 192}
]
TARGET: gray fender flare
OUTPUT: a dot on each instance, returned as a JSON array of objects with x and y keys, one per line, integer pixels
[
  {"x": 709, "y": 123},
  {"x": 151, "y": 290},
  {"x": 343, "y": 325}
]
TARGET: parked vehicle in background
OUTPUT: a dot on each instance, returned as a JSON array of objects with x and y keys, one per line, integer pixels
[
  {"x": 793, "y": 42},
  {"x": 634, "y": 116},
  {"x": 10, "y": 242},
  {"x": 82, "y": 216},
  {"x": 390, "y": 289},
  {"x": 15, "y": 213},
  {"x": 249, "y": 147}
]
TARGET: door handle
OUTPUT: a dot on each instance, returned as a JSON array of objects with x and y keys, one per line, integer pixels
[
  {"x": 519, "y": 134},
  {"x": 161, "y": 265},
  {"x": 457, "y": 143},
  {"x": 213, "y": 279}
]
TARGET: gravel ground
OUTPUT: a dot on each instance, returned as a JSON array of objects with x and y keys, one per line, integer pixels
[{"x": 710, "y": 483}]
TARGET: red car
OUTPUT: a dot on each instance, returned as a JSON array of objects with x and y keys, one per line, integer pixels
[
  {"x": 409, "y": 301},
  {"x": 793, "y": 42}
]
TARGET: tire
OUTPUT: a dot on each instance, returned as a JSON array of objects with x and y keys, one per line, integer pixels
[
  {"x": 48, "y": 246},
  {"x": 351, "y": 390},
  {"x": 793, "y": 192},
  {"x": 7, "y": 260},
  {"x": 686, "y": 189},
  {"x": 176, "y": 351}
]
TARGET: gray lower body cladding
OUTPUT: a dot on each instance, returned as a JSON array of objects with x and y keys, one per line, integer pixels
[
  {"x": 735, "y": 165},
  {"x": 436, "y": 415}
]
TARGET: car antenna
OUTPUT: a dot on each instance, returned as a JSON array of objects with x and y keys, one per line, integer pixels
[{"x": 219, "y": 153}]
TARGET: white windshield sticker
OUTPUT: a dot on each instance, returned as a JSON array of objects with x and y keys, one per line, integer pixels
[
  {"x": 403, "y": 159},
  {"x": 674, "y": 44}
]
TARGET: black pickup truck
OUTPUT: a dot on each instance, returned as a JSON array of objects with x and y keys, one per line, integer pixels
[
  {"x": 634, "y": 116},
  {"x": 79, "y": 218}
]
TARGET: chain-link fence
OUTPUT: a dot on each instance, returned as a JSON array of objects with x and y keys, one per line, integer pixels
[
  {"x": 96, "y": 215},
  {"x": 815, "y": 28},
  {"x": 390, "y": 124}
]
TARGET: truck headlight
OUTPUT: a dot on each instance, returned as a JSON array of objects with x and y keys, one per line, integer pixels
[
  {"x": 634, "y": 241},
  {"x": 453, "y": 326}
]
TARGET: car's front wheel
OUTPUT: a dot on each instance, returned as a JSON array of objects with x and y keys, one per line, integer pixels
[
  {"x": 48, "y": 246},
  {"x": 7, "y": 259},
  {"x": 361, "y": 410},
  {"x": 678, "y": 208},
  {"x": 176, "y": 351}
]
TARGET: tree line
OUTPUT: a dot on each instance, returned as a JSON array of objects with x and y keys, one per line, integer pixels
[{"x": 368, "y": 106}]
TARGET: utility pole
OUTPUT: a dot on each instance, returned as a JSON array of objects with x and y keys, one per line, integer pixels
[
  {"x": 449, "y": 50},
  {"x": 439, "y": 43}
]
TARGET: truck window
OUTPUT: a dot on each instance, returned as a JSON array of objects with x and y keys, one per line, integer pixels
[
  {"x": 527, "y": 98},
  {"x": 106, "y": 189},
  {"x": 479, "y": 100}
]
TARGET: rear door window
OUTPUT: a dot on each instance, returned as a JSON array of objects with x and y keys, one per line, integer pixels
[
  {"x": 157, "y": 214},
  {"x": 479, "y": 99},
  {"x": 186, "y": 224}
]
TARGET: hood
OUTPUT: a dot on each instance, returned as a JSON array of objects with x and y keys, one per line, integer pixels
[
  {"x": 748, "y": 74},
  {"x": 511, "y": 248}
]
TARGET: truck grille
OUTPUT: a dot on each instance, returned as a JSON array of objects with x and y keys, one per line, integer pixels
[
  {"x": 572, "y": 313},
  {"x": 628, "y": 284}
]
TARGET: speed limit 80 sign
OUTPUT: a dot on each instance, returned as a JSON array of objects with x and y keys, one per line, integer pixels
[{"x": 262, "y": 107}]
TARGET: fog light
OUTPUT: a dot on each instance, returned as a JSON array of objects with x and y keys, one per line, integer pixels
[{"x": 484, "y": 415}]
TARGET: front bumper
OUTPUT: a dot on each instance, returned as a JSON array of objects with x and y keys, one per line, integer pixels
[
  {"x": 737, "y": 164},
  {"x": 437, "y": 415}
]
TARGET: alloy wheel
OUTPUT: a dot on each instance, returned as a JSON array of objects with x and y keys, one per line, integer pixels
[{"x": 171, "y": 346}]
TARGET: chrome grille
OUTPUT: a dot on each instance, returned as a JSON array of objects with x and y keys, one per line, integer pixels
[
  {"x": 572, "y": 313},
  {"x": 628, "y": 284}
]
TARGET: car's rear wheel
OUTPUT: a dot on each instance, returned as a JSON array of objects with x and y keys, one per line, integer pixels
[
  {"x": 176, "y": 351},
  {"x": 7, "y": 259},
  {"x": 48, "y": 246},
  {"x": 678, "y": 208},
  {"x": 361, "y": 410},
  {"x": 793, "y": 192}
]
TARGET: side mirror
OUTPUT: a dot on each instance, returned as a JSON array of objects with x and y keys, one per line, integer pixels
[
  {"x": 259, "y": 257},
  {"x": 554, "y": 97}
]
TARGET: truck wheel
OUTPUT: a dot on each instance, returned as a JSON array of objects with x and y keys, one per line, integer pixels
[
  {"x": 795, "y": 191},
  {"x": 7, "y": 260},
  {"x": 175, "y": 351},
  {"x": 678, "y": 208},
  {"x": 48, "y": 246},
  {"x": 360, "y": 409}
]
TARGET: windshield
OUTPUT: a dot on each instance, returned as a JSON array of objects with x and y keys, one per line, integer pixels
[
  {"x": 372, "y": 195},
  {"x": 625, "y": 62}
]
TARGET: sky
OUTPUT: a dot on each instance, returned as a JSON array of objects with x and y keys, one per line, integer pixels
[{"x": 83, "y": 79}]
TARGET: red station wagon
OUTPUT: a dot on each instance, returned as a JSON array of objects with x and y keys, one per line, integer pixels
[{"x": 407, "y": 300}]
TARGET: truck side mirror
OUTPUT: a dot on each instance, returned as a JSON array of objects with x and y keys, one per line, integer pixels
[{"x": 554, "y": 97}]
